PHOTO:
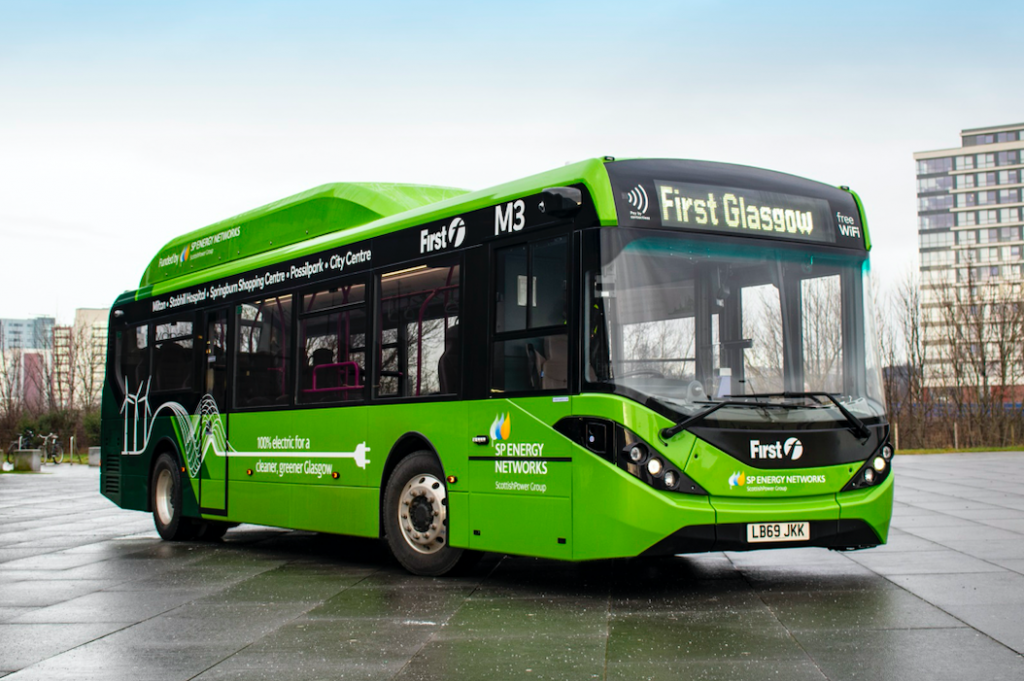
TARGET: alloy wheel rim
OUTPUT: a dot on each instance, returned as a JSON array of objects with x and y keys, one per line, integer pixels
[
  {"x": 164, "y": 501},
  {"x": 423, "y": 514}
]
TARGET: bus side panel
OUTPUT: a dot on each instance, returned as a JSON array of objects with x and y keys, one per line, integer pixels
[
  {"x": 303, "y": 469},
  {"x": 111, "y": 436},
  {"x": 532, "y": 526},
  {"x": 520, "y": 480},
  {"x": 136, "y": 470},
  {"x": 260, "y": 503},
  {"x": 338, "y": 510},
  {"x": 444, "y": 427},
  {"x": 341, "y": 510},
  {"x": 458, "y": 518}
]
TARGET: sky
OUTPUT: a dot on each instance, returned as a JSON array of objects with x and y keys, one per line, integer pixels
[{"x": 125, "y": 124}]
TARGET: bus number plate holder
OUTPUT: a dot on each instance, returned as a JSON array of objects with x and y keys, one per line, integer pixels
[{"x": 777, "y": 532}]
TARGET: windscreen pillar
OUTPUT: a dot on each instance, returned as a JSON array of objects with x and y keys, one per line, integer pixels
[
  {"x": 703, "y": 309},
  {"x": 792, "y": 335}
]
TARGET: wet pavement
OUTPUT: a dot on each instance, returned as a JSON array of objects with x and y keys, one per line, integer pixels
[{"x": 88, "y": 591}]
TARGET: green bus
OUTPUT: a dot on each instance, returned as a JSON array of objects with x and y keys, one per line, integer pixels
[{"x": 615, "y": 358}]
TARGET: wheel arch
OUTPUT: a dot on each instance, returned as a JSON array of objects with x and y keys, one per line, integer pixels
[
  {"x": 164, "y": 445},
  {"x": 409, "y": 443}
]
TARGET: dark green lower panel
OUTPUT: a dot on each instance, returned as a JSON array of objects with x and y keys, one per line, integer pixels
[{"x": 834, "y": 534}]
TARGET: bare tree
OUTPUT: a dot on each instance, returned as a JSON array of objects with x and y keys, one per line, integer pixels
[
  {"x": 88, "y": 359},
  {"x": 11, "y": 380}
]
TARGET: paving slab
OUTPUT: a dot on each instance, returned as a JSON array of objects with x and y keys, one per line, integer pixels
[{"x": 89, "y": 591}]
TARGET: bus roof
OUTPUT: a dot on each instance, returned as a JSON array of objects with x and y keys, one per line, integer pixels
[
  {"x": 334, "y": 214},
  {"x": 321, "y": 210}
]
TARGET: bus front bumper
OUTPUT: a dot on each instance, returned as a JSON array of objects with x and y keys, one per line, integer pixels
[{"x": 844, "y": 521}]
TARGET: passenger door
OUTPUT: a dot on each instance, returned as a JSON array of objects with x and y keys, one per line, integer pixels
[{"x": 213, "y": 476}]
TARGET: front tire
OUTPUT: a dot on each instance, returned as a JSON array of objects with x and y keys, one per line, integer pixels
[
  {"x": 416, "y": 516},
  {"x": 165, "y": 494}
]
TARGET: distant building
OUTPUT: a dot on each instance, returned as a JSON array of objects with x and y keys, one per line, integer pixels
[
  {"x": 90, "y": 332},
  {"x": 26, "y": 334},
  {"x": 969, "y": 207},
  {"x": 969, "y": 219},
  {"x": 46, "y": 365}
]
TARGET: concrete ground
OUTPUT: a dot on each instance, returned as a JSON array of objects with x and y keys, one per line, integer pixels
[{"x": 88, "y": 591}]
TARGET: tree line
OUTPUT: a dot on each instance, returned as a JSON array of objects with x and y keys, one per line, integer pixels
[
  {"x": 953, "y": 358},
  {"x": 53, "y": 390}
]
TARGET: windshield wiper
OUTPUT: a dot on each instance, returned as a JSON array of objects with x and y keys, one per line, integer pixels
[
  {"x": 858, "y": 427},
  {"x": 671, "y": 431}
]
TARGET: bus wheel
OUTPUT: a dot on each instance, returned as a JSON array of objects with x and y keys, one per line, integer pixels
[
  {"x": 165, "y": 490},
  {"x": 416, "y": 516}
]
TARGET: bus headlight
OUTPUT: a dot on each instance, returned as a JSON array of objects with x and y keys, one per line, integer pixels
[
  {"x": 874, "y": 471},
  {"x": 626, "y": 451},
  {"x": 671, "y": 479}
]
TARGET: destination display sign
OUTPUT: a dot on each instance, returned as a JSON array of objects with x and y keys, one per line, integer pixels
[
  {"x": 741, "y": 201},
  {"x": 744, "y": 211}
]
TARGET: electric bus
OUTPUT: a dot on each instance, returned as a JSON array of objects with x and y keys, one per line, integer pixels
[{"x": 616, "y": 358}]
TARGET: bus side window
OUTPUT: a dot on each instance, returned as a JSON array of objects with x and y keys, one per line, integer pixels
[
  {"x": 263, "y": 360},
  {"x": 332, "y": 342},
  {"x": 531, "y": 350},
  {"x": 419, "y": 332},
  {"x": 173, "y": 360},
  {"x": 133, "y": 363}
]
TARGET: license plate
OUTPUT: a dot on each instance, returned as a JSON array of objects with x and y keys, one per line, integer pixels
[{"x": 772, "y": 532}]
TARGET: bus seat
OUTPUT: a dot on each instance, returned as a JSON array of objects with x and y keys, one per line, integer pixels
[
  {"x": 174, "y": 367},
  {"x": 325, "y": 378},
  {"x": 448, "y": 364}
]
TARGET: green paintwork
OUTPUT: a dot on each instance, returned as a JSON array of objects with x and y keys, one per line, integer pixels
[
  {"x": 594, "y": 508},
  {"x": 323, "y": 210},
  {"x": 308, "y": 208},
  {"x": 556, "y": 500},
  {"x": 863, "y": 219},
  {"x": 873, "y": 505}
]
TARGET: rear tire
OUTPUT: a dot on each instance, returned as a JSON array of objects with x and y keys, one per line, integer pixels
[
  {"x": 58, "y": 455},
  {"x": 416, "y": 516},
  {"x": 165, "y": 495}
]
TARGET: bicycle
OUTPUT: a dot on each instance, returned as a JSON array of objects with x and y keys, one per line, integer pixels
[
  {"x": 23, "y": 441},
  {"x": 52, "y": 448}
]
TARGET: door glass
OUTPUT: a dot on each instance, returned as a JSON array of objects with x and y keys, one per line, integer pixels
[{"x": 216, "y": 379}]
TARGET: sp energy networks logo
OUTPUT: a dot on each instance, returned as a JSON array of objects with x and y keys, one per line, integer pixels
[
  {"x": 452, "y": 234},
  {"x": 638, "y": 202},
  {"x": 200, "y": 247},
  {"x": 501, "y": 428},
  {"x": 791, "y": 449},
  {"x": 515, "y": 458},
  {"x": 175, "y": 258},
  {"x": 738, "y": 479}
]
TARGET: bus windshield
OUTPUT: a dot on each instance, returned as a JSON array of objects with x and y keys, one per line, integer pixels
[{"x": 688, "y": 322}]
